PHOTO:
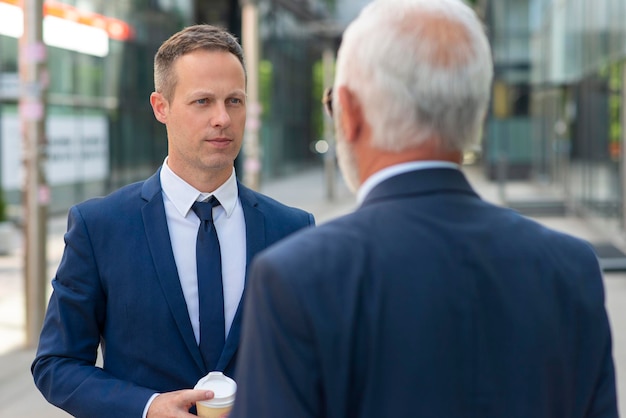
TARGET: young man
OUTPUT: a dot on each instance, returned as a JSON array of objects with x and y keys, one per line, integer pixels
[
  {"x": 426, "y": 301},
  {"x": 132, "y": 276}
]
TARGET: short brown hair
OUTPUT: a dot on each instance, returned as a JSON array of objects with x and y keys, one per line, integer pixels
[{"x": 191, "y": 38}]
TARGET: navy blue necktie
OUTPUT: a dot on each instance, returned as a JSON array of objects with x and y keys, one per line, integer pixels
[{"x": 210, "y": 290}]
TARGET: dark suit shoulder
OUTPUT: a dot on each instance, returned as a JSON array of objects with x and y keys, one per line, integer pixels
[
  {"x": 326, "y": 250},
  {"x": 273, "y": 208},
  {"x": 119, "y": 201},
  {"x": 534, "y": 235}
]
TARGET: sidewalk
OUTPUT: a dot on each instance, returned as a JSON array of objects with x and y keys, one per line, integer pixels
[{"x": 307, "y": 190}]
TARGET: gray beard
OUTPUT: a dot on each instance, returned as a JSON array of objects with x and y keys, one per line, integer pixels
[{"x": 347, "y": 162}]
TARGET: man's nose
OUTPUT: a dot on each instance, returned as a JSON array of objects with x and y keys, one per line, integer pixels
[{"x": 220, "y": 116}]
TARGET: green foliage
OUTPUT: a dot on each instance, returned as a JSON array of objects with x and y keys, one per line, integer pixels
[
  {"x": 318, "y": 111},
  {"x": 266, "y": 76},
  {"x": 3, "y": 207}
]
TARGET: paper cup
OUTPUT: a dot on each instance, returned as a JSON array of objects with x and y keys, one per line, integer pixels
[{"x": 224, "y": 389}]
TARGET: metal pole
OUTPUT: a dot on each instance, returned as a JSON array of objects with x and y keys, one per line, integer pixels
[
  {"x": 502, "y": 173},
  {"x": 328, "y": 60},
  {"x": 33, "y": 77},
  {"x": 250, "y": 44}
]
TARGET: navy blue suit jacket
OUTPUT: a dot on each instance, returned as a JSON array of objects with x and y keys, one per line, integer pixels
[
  {"x": 426, "y": 302},
  {"x": 117, "y": 285}
]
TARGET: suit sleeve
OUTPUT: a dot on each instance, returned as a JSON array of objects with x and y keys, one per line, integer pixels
[
  {"x": 604, "y": 402},
  {"x": 277, "y": 342},
  {"x": 596, "y": 352},
  {"x": 65, "y": 368}
]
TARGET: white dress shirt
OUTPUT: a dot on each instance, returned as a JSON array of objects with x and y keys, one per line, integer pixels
[
  {"x": 386, "y": 173},
  {"x": 183, "y": 224}
]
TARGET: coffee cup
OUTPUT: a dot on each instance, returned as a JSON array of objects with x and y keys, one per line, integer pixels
[{"x": 224, "y": 389}]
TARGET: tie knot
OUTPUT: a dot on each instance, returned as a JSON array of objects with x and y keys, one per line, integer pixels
[{"x": 204, "y": 210}]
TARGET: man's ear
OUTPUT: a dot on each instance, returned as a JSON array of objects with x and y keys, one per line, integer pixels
[
  {"x": 159, "y": 106},
  {"x": 351, "y": 115}
]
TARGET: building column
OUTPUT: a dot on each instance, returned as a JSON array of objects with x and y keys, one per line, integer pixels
[
  {"x": 36, "y": 194},
  {"x": 251, "y": 47}
]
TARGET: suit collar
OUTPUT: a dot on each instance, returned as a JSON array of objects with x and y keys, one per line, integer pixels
[
  {"x": 397, "y": 169},
  {"x": 152, "y": 186},
  {"x": 426, "y": 181},
  {"x": 255, "y": 223}
]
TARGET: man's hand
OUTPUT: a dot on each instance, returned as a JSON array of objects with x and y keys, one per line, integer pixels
[{"x": 176, "y": 404}]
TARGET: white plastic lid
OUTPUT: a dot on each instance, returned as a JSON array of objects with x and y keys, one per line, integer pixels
[{"x": 222, "y": 386}]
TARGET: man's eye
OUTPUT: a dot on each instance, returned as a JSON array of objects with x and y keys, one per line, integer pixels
[
  {"x": 235, "y": 101},
  {"x": 202, "y": 101}
]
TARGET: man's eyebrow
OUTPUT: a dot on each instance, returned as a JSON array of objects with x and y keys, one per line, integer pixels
[
  {"x": 202, "y": 93},
  {"x": 210, "y": 94}
]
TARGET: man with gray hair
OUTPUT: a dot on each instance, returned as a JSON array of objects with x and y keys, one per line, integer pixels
[{"x": 426, "y": 301}]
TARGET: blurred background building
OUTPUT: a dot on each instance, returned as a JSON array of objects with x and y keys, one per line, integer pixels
[
  {"x": 557, "y": 115},
  {"x": 556, "y": 118},
  {"x": 101, "y": 133}
]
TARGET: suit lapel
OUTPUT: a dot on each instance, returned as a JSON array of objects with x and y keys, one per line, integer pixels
[
  {"x": 255, "y": 242},
  {"x": 255, "y": 225},
  {"x": 161, "y": 249}
]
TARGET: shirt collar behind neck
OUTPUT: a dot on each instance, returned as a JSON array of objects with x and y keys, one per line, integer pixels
[
  {"x": 394, "y": 170},
  {"x": 183, "y": 195}
]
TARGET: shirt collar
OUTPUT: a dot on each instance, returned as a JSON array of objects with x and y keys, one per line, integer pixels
[
  {"x": 386, "y": 173},
  {"x": 183, "y": 195}
]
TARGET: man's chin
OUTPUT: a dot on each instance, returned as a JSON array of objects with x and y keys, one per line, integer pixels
[{"x": 218, "y": 161}]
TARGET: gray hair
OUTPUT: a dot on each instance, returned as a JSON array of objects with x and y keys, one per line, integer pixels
[{"x": 420, "y": 68}]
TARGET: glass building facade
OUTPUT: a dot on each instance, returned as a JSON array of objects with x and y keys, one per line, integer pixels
[
  {"x": 568, "y": 89},
  {"x": 99, "y": 126},
  {"x": 101, "y": 133},
  {"x": 291, "y": 85}
]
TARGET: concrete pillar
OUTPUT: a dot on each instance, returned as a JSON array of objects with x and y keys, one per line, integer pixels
[
  {"x": 251, "y": 47},
  {"x": 36, "y": 194}
]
